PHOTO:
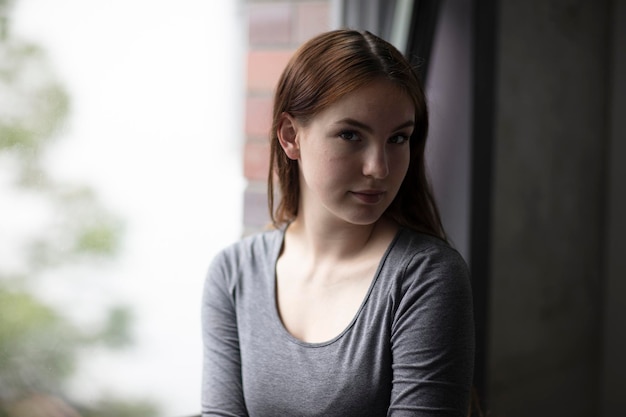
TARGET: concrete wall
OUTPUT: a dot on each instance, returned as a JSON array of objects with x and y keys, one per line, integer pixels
[
  {"x": 614, "y": 365},
  {"x": 549, "y": 206}
]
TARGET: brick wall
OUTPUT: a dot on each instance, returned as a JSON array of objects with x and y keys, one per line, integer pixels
[{"x": 275, "y": 30}]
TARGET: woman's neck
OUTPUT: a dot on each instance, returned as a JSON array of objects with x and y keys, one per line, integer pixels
[{"x": 335, "y": 242}]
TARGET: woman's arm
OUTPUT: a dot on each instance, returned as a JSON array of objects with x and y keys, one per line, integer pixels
[
  {"x": 222, "y": 393},
  {"x": 433, "y": 338}
]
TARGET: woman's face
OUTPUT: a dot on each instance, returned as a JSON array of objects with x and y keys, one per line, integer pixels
[{"x": 354, "y": 155}]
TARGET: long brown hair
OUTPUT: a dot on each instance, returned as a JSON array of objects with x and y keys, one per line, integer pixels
[{"x": 322, "y": 71}]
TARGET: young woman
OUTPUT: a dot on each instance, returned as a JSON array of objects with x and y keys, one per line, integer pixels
[{"x": 354, "y": 304}]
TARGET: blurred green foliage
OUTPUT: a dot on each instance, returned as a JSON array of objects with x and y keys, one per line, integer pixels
[
  {"x": 115, "y": 407},
  {"x": 39, "y": 345}
]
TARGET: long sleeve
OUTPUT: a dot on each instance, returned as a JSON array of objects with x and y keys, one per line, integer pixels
[
  {"x": 222, "y": 393},
  {"x": 432, "y": 339}
]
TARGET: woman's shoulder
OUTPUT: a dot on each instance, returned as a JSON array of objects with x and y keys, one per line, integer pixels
[
  {"x": 411, "y": 241},
  {"x": 424, "y": 267},
  {"x": 249, "y": 258},
  {"x": 250, "y": 249},
  {"x": 415, "y": 250}
]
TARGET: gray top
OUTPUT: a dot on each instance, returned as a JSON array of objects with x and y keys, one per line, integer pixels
[{"x": 408, "y": 351}]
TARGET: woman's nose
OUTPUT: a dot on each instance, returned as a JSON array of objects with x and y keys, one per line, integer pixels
[{"x": 376, "y": 164}]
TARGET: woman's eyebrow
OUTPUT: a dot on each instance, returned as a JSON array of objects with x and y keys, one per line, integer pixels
[{"x": 369, "y": 129}]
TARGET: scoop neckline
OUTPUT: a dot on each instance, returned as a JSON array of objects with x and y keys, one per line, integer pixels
[{"x": 276, "y": 315}]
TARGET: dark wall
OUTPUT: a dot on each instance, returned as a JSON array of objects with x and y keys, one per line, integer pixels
[
  {"x": 614, "y": 364},
  {"x": 551, "y": 192}
]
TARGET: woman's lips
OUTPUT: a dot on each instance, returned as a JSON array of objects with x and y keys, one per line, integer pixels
[{"x": 369, "y": 196}]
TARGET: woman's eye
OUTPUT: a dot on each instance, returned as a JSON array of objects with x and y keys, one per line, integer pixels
[
  {"x": 349, "y": 135},
  {"x": 399, "y": 139}
]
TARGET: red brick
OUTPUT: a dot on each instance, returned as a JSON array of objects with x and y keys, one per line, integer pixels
[
  {"x": 258, "y": 117},
  {"x": 256, "y": 160},
  {"x": 311, "y": 19},
  {"x": 269, "y": 23},
  {"x": 265, "y": 67}
]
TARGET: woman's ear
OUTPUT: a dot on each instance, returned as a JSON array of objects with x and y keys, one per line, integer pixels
[{"x": 287, "y": 133}]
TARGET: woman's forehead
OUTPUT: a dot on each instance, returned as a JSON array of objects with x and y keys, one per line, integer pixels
[{"x": 375, "y": 98}]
